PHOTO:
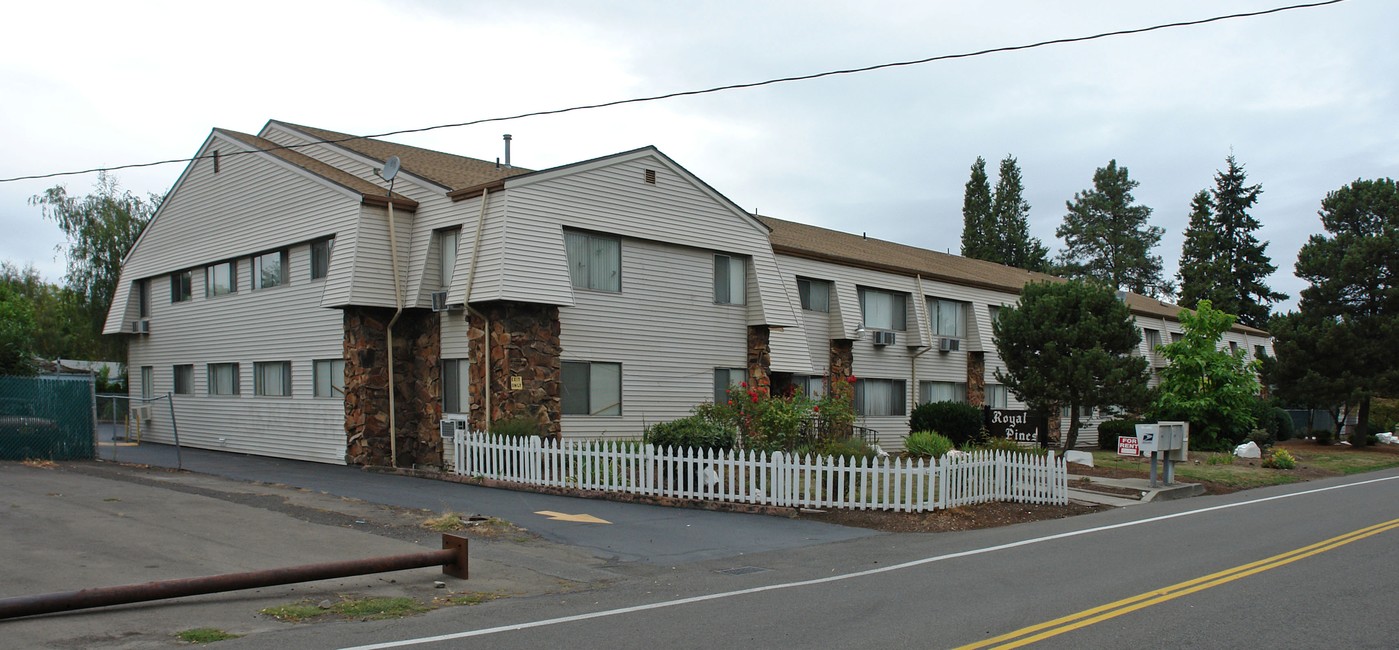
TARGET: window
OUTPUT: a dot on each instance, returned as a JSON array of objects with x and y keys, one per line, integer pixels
[
  {"x": 1153, "y": 340},
  {"x": 884, "y": 310},
  {"x": 320, "y": 257},
  {"x": 1176, "y": 337},
  {"x": 147, "y": 382},
  {"x": 997, "y": 397},
  {"x": 877, "y": 397},
  {"x": 143, "y": 297},
  {"x": 594, "y": 262},
  {"x": 272, "y": 378},
  {"x": 1084, "y": 412},
  {"x": 995, "y": 311},
  {"x": 181, "y": 285},
  {"x": 725, "y": 377},
  {"x": 942, "y": 391},
  {"x": 813, "y": 386},
  {"x": 730, "y": 283},
  {"x": 592, "y": 388},
  {"x": 1259, "y": 352},
  {"x": 328, "y": 378},
  {"x": 184, "y": 380},
  {"x": 270, "y": 270},
  {"x": 447, "y": 241},
  {"x": 948, "y": 318},
  {"x": 455, "y": 398},
  {"x": 221, "y": 279},
  {"x": 815, "y": 294},
  {"x": 1233, "y": 347},
  {"x": 223, "y": 379}
]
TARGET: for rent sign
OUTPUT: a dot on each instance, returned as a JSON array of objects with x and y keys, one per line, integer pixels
[
  {"x": 1014, "y": 424},
  {"x": 1127, "y": 446}
]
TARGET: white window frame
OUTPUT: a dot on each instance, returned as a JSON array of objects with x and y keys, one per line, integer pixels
[
  {"x": 869, "y": 390},
  {"x": 217, "y": 385},
  {"x": 585, "y": 254},
  {"x": 328, "y": 378},
  {"x": 871, "y": 314},
  {"x": 600, "y": 375},
  {"x": 730, "y": 279},
  {"x": 272, "y": 378},
  {"x": 813, "y": 299},
  {"x": 456, "y": 396}
]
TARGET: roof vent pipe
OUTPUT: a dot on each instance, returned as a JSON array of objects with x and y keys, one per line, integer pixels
[{"x": 507, "y": 151}]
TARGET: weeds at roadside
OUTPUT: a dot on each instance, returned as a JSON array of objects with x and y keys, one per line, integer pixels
[
  {"x": 39, "y": 463},
  {"x": 205, "y": 635},
  {"x": 365, "y": 609},
  {"x": 467, "y": 598}
]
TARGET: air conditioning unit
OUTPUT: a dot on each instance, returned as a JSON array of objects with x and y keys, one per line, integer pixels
[
  {"x": 949, "y": 345},
  {"x": 451, "y": 424},
  {"x": 142, "y": 413},
  {"x": 882, "y": 338},
  {"x": 439, "y": 302},
  {"x": 142, "y": 326}
]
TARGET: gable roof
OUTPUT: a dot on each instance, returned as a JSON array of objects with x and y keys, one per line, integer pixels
[
  {"x": 448, "y": 170},
  {"x": 801, "y": 240},
  {"x": 369, "y": 192}
]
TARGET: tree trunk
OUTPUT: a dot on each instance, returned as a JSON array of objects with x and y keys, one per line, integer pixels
[
  {"x": 1361, "y": 435},
  {"x": 1071, "y": 438}
]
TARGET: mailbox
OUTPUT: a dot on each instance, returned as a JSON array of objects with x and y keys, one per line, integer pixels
[
  {"x": 1179, "y": 435},
  {"x": 1147, "y": 438}
]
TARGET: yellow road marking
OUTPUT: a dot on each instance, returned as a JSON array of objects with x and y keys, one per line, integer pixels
[
  {"x": 559, "y": 516},
  {"x": 1041, "y": 631}
]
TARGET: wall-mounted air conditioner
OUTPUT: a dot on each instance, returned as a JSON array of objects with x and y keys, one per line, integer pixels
[
  {"x": 141, "y": 413},
  {"x": 142, "y": 326},
  {"x": 949, "y": 345},
  {"x": 451, "y": 424},
  {"x": 439, "y": 302},
  {"x": 882, "y": 338}
]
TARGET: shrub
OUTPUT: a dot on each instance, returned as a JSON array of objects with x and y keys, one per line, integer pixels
[
  {"x": 694, "y": 431},
  {"x": 852, "y": 448},
  {"x": 1280, "y": 459},
  {"x": 1261, "y": 437},
  {"x": 960, "y": 422},
  {"x": 1323, "y": 436},
  {"x": 1280, "y": 422},
  {"x": 1003, "y": 444},
  {"x": 516, "y": 427},
  {"x": 927, "y": 444},
  {"x": 1109, "y": 431}
]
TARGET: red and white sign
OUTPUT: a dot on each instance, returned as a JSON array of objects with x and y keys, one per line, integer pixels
[{"x": 1127, "y": 446}]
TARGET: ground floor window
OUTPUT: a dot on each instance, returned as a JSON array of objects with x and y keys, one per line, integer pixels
[
  {"x": 942, "y": 391},
  {"x": 147, "y": 382},
  {"x": 454, "y": 385},
  {"x": 997, "y": 397},
  {"x": 272, "y": 378},
  {"x": 813, "y": 386},
  {"x": 328, "y": 378},
  {"x": 724, "y": 378},
  {"x": 880, "y": 397},
  {"x": 592, "y": 388},
  {"x": 223, "y": 379}
]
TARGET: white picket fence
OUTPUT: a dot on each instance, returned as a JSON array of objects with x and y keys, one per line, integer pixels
[{"x": 777, "y": 479}]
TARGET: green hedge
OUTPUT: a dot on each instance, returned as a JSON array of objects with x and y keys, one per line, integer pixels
[
  {"x": 1109, "y": 431},
  {"x": 693, "y": 431},
  {"x": 960, "y": 422}
]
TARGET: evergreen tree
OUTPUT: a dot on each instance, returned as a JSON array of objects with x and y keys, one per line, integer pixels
[
  {"x": 978, "y": 228},
  {"x": 1011, "y": 214},
  {"x": 1107, "y": 239},
  {"x": 1070, "y": 344},
  {"x": 1222, "y": 261}
]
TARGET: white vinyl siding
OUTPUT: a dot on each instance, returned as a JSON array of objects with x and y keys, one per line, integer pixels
[
  {"x": 594, "y": 261},
  {"x": 730, "y": 280},
  {"x": 328, "y": 378},
  {"x": 272, "y": 378},
  {"x": 591, "y": 388}
]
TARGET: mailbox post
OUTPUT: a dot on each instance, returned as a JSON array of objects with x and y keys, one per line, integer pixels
[{"x": 1169, "y": 440}]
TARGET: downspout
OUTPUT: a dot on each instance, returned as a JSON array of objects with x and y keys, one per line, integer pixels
[
  {"x": 486, "y": 321},
  {"x": 913, "y": 361},
  {"x": 398, "y": 311}
]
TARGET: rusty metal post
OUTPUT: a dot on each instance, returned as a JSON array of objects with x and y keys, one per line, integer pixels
[{"x": 452, "y": 558}]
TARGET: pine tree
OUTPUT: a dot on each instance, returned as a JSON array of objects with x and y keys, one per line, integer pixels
[
  {"x": 977, "y": 225},
  {"x": 1107, "y": 239},
  {"x": 1011, "y": 214},
  {"x": 1197, "y": 253}
]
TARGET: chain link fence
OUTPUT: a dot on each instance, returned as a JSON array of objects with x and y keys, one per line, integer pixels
[{"x": 47, "y": 417}]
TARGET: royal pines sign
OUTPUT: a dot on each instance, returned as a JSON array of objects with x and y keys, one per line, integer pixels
[{"x": 1018, "y": 425}]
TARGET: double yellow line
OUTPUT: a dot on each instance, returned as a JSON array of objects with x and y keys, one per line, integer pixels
[{"x": 1041, "y": 631}]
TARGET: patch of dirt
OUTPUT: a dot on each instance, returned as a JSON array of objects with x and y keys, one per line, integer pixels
[{"x": 981, "y": 515}]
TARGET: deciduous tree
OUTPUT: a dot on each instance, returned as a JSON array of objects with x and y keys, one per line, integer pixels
[
  {"x": 1212, "y": 388},
  {"x": 1069, "y": 344}
]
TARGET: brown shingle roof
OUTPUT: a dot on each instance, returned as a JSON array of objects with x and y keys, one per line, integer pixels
[
  {"x": 448, "y": 170},
  {"x": 801, "y": 240},
  {"x": 369, "y": 192}
]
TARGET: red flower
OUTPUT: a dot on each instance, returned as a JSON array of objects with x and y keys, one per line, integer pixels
[
  {"x": 731, "y": 402},
  {"x": 743, "y": 384},
  {"x": 850, "y": 379},
  {"x": 816, "y": 409},
  {"x": 755, "y": 399}
]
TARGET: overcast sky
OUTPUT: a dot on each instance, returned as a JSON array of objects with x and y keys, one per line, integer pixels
[{"x": 1305, "y": 99}]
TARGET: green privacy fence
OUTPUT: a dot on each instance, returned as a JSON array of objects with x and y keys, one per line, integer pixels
[{"x": 46, "y": 417}]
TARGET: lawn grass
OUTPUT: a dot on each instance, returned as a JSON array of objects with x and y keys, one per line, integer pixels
[
  {"x": 1225, "y": 469},
  {"x": 1347, "y": 462}
]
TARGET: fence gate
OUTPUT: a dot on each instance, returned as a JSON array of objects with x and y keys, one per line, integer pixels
[{"x": 47, "y": 417}]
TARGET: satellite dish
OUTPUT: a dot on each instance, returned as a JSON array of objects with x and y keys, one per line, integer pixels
[{"x": 390, "y": 168}]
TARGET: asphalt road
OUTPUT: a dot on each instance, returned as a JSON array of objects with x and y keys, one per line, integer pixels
[{"x": 1211, "y": 572}]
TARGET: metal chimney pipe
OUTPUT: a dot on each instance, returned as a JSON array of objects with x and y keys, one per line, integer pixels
[{"x": 507, "y": 151}]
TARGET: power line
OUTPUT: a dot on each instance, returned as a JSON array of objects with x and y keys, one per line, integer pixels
[{"x": 716, "y": 89}]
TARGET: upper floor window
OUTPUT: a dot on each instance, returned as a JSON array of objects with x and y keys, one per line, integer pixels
[
  {"x": 220, "y": 279},
  {"x": 143, "y": 297},
  {"x": 1176, "y": 337},
  {"x": 995, "y": 312},
  {"x": 880, "y": 397},
  {"x": 591, "y": 388},
  {"x": 885, "y": 310},
  {"x": 594, "y": 261},
  {"x": 1259, "y": 352},
  {"x": 147, "y": 382},
  {"x": 181, "y": 285},
  {"x": 948, "y": 317},
  {"x": 270, "y": 269},
  {"x": 447, "y": 241},
  {"x": 815, "y": 294},
  {"x": 1153, "y": 339},
  {"x": 942, "y": 391},
  {"x": 730, "y": 282},
  {"x": 320, "y": 257}
]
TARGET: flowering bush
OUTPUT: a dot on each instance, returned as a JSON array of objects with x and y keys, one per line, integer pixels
[
  {"x": 1280, "y": 459},
  {"x": 767, "y": 422}
]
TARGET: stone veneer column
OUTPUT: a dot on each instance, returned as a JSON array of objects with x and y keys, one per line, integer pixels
[
  {"x": 760, "y": 359},
  {"x": 842, "y": 362},
  {"x": 524, "y": 343},
  {"x": 417, "y": 387},
  {"x": 976, "y": 378}
]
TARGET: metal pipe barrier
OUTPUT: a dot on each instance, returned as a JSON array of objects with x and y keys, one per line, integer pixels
[{"x": 452, "y": 558}]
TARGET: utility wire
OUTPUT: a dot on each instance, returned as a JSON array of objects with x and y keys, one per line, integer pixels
[{"x": 716, "y": 89}]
